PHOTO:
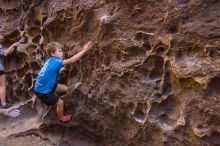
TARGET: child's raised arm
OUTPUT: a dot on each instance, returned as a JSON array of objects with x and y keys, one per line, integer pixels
[{"x": 76, "y": 57}]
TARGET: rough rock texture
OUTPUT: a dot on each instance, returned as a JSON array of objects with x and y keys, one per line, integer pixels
[{"x": 152, "y": 78}]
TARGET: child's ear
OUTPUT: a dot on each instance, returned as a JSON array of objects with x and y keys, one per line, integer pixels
[{"x": 52, "y": 54}]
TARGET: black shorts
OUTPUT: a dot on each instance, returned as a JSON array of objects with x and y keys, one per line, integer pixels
[
  {"x": 49, "y": 99},
  {"x": 2, "y": 72}
]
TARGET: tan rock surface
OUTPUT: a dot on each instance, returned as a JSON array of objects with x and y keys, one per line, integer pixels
[{"x": 152, "y": 78}]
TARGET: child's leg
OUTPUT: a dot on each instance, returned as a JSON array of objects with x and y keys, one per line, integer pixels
[
  {"x": 60, "y": 106},
  {"x": 3, "y": 89},
  {"x": 61, "y": 88}
]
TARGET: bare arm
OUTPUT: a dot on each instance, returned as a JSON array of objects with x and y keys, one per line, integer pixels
[
  {"x": 10, "y": 49},
  {"x": 2, "y": 111},
  {"x": 76, "y": 57}
]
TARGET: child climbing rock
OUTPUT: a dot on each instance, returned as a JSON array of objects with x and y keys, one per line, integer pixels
[
  {"x": 46, "y": 84},
  {"x": 4, "y": 52}
]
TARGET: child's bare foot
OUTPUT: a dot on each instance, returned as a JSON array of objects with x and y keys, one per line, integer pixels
[{"x": 66, "y": 118}]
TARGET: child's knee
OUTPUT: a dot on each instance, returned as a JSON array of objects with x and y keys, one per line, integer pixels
[
  {"x": 61, "y": 88},
  {"x": 65, "y": 89},
  {"x": 60, "y": 102}
]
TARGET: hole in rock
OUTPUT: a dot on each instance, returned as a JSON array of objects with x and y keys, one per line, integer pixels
[
  {"x": 189, "y": 83},
  {"x": 141, "y": 36},
  {"x": 163, "y": 118},
  {"x": 173, "y": 28},
  {"x": 215, "y": 139},
  {"x": 156, "y": 73},
  {"x": 22, "y": 72},
  {"x": 16, "y": 61},
  {"x": 131, "y": 106},
  {"x": 47, "y": 36},
  {"x": 28, "y": 79},
  {"x": 31, "y": 49},
  {"x": 166, "y": 112},
  {"x": 37, "y": 22},
  {"x": 36, "y": 39},
  {"x": 156, "y": 97},
  {"x": 119, "y": 55},
  {"x": 169, "y": 78},
  {"x": 139, "y": 116},
  {"x": 131, "y": 144},
  {"x": 155, "y": 65},
  {"x": 211, "y": 53},
  {"x": 153, "y": 62},
  {"x": 160, "y": 50},
  {"x": 182, "y": 1},
  {"x": 146, "y": 46},
  {"x": 34, "y": 31},
  {"x": 139, "y": 113},
  {"x": 11, "y": 38},
  {"x": 35, "y": 67},
  {"x": 135, "y": 51},
  {"x": 213, "y": 88}
]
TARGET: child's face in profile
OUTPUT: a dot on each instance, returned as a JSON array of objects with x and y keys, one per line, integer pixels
[{"x": 58, "y": 53}]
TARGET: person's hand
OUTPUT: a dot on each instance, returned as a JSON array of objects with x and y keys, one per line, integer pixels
[
  {"x": 12, "y": 112},
  {"x": 88, "y": 46},
  {"x": 16, "y": 44}
]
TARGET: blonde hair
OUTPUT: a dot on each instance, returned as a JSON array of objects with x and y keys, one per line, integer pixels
[{"x": 52, "y": 47}]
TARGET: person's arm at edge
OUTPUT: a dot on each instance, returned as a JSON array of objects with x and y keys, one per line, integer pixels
[
  {"x": 10, "y": 49},
  {"x": 10, "y": 112},
  {"x": 1, "y": 111},
  {"x": 76, "y": 57}
]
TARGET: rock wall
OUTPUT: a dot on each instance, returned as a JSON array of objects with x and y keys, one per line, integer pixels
[{"x": 151, "y": 79}]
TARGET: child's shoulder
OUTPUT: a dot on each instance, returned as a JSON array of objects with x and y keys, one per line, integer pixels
[{"x": 54, "y": 58}]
